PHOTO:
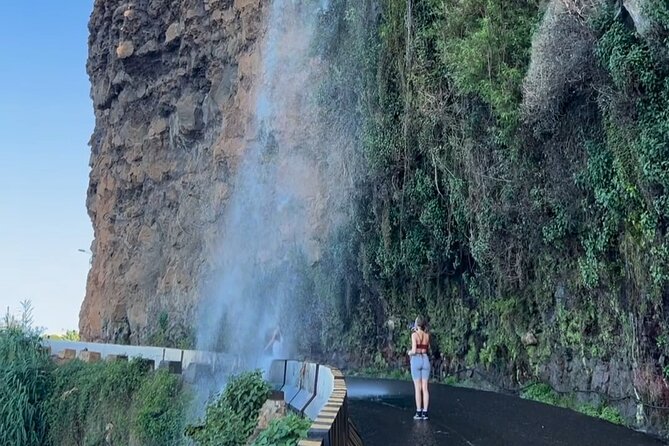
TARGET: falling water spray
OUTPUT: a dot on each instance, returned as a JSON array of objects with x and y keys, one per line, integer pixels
[{"x": 280, "y": 210}]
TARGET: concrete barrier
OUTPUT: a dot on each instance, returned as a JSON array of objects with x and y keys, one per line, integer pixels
[
  {"x": 291, "y": 386},
  {"x": 325, "y": 385},
  {"x": 89, "y": 356},
  {"x": 174, "y": 359},
  {"x": 277, "y": 374},
  {"x": 318, "y": 392},
  {"x": 155, "y": 354}
]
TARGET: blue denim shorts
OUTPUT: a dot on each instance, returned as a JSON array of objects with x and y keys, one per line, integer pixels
[{"x": 420, "y": 366}]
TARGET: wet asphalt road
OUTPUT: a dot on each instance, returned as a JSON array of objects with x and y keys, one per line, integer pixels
[{"x": 383, "y": 412}]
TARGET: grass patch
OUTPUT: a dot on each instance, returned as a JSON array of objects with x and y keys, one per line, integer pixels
[
  {"x": 543, "y": 393},
  {"x": 381, "y": 373}
]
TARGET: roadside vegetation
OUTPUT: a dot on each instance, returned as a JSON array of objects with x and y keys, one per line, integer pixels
[
  {"x": 118, "y": 402},
  {"x": 230, "y": 420},
  {"x": 544, "y": 393}
]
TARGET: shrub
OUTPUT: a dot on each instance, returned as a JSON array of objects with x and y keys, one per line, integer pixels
[
  {"x": 589, "y": 410},
  {"x": 115, "y": 402},
  {"x": 542, "y": 393},
  {"x": 485, "y": 48},
  {"x": 611, "y": 414},
  {"x": 91, "y": 402},
  {"x": 24, "y": 386},
  {"x": 230, "y": 420},
  {"x": 608, "y": 413},
  {"x": 246, "y": 393},
  {"x": 222, "y": 427},
  {"x": 159, "y": 411},
  {"x": 173, "y": 335},
  {"x": 286, "y": 431}
]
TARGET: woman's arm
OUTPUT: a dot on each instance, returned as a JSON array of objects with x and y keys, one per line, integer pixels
[{"x": 271, "y": 341}]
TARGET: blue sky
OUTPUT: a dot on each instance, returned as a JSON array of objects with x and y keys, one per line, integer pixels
[{"x": 46, "y": 119}]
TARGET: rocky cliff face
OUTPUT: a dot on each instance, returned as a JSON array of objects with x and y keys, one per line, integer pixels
[{"x": 173, "y": 86}]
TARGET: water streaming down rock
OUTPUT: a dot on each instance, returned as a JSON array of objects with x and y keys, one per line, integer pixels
[{"x": 281, "y": 208}]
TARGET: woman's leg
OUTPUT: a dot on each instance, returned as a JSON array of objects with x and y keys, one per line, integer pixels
[
  {"x": 415, "y": 375},
  {"x": 426, "y": 394},
  {"x": 417, "y": 391},
  {"x": 423, "y": 382}
]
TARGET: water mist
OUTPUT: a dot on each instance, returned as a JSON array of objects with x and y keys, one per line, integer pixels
[{"x": 282, "y": 206}]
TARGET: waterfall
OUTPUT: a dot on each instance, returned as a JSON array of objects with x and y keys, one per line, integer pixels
[{"x": 277, "y": 215}]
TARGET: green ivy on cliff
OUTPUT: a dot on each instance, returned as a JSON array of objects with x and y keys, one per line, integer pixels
[
  {"x": 494, "y": 223},
  {"x": 440, "y": 147}
]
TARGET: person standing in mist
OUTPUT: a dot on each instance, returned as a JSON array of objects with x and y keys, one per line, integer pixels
[
  {"x": 420, "y": 366},
  {"x": 275, "y": 345}
]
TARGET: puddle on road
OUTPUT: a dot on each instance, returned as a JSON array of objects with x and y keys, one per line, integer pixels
[{"x": 366, "y": 389}]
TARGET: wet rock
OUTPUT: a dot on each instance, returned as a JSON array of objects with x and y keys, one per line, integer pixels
[
  {"x": 121, "y": 78},
  {"x": 272, "y": 409},
  {"x": 223, "y": 84},
  {"x": 125, "y": 49},
  {"x": 635, "y": 9},
  {"x": 149, "y": 47},
  {"x": 600, "y": 378},
  {"x": 192, "y": 13},
  {"x": 102, "y": 93},
  {"x": 158, "y": 126},
  {"x": 189, "y": 114},
  {"x": 173, "y": 31},
  {"x": 529, "y": 339}
]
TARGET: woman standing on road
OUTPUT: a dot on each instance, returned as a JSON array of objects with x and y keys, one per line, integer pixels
[{"x": 420, "y": 367}]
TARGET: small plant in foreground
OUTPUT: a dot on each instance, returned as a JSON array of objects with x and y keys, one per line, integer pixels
[
  {"x": 542, "y": 393},
  {"x": 24, "y": 382},
  {"x": 230, "y": 420},
  {"x": 286, "y": 431}
]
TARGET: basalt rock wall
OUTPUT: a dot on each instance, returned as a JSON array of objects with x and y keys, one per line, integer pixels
[{"x": 173, "y": 88}]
